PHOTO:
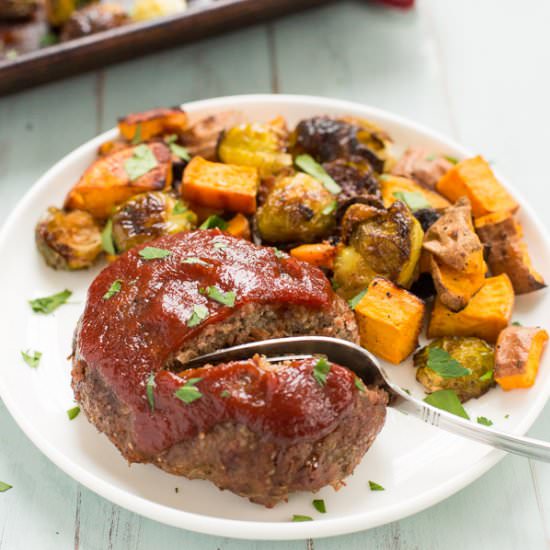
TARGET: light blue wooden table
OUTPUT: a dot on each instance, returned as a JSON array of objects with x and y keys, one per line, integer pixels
[{"x": 478, "y": 70}]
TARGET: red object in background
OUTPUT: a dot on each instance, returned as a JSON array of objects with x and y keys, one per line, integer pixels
[{"x": 398, "y": 3}]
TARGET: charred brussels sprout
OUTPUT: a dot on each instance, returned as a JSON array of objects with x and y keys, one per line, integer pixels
[
  {"x": 377, "y": 242},
  {"x": 473, "y": 354},
  {"x": 297, "y": 208},
  {"x": 68, "y": 240},
  {"x": 427, "y": 217},
  {"x": 150, "y": 215},
  {"x": 260, "y": 145},
  {"x": 354, "y": 176}
]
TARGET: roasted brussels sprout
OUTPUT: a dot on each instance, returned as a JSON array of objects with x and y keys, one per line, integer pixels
[
  {"x": 93, "y": 18},
  {"x": 473, "y": 354},
  {"x": 377, "y": 241},
  {"x": 298, "y": 208},
  {"x": 260, "y": 145},
  {"x": 68, "y": 240},
  {"x": 354, "y": 176},
  {"x": 150, "y": 215}
]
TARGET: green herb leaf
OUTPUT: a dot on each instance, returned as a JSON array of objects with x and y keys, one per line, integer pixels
[
  {"x": 279, "y": 253},
  {"x": 506, "y": 416},
  {"x": 298, "y": 517},
  {"x": 47, "y": 304},
  {"x": 319, "y": 505},
  {"x": 484, "y": 421},
  {"x": 33, "y": 359},
  {"x": 142, "y": 161},
  {"x": 188, "y": 392},
  {"x": 172, "y": 138},
  {"x": 357, "y": 298},
  {"x": 200, "y": 313},
  {"x": 113, "y": 289},
  {"x": 407, "y": 391},
  {"x": 152, "y": 253},
  {"x": 194, "y": 260},
  {"x": 73, "y": 413},
  {"x": 180, "y": 151},
  {"x": 179, "y": 208},
  {"x": 48, "y": 39},
  {"x": 212, "y": 222},
  {"x": 487, "y": 376},
  {"x": 321, "y": 370},
  {"x": 442, "y": 363},
  {"x": 4, "y": 487},
  {"x": 149, "y": 388},
  {"x": 375, "y": 486},
  {"x": 447, "y": 400},
  {"x": 335, "y": 284},
  {"x": 137, "y": 135},
  {"x": 431, "y": 157},
  {"x": 225, "y": 394},
  {"x": 516, "y": 324},
  {"x": 360, "y": 385},
  {"x": 220, "y": 246},
  {"x": 11, "y": 54},
  {"x": 330, "y": 208},
  {"x": 224, "y": 298},
  {"x": 310, "y": 166},
  {"x": 452, "y": 160},
  {"x": 107, "y": 242},
  {"x": 413, "y": 199}
]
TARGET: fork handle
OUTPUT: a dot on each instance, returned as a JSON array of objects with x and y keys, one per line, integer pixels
[{"x": 524, "y": 446}]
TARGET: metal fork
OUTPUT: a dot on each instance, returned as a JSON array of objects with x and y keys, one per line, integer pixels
[{"x": 368, "y": 369}]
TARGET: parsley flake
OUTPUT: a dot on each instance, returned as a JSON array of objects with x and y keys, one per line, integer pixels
[
  {"x": 452, "y": 160},
  {"x": 4, "y": 487},
  {"x": 47, "y": 304},
  {"x": 194, "y": 260},
  {"x": 180, "y": 151},
  {"x": 220, "y": 246},
  {"x": 310, "y": 166},
  {"x": 375, "y": 486},
  {"x": 279, "y": 253},
  {"x": 360, "y": 385},
  {"x": 447, "y": 400},
  {"x": 330, "y": 208},
  {"x": 442, "y": 363},
  {"x": 413, "y": 199},
  {"x": 516, "y": 324},
  {"x": 152, "y": 253},
  {"x": 487, "y": 376},
  {"x": 298, "y": 517},
  {"x": 213, "y": 222},
  {"x": 319, "y": 505},
  {"x": 137, "y": 135},
  {"x": 73, "y": 413},
  {"x": 506, "y": 416},
  {"x": 113, "y": 289},
  {"x": 107, "y": 242},
  {"x": 149, "y": 388},
  {"x": 32, "y": 359},
  {"x": 200, "y": 313},
  {"x": 225, "y": 394},
  {"x": 484, "y": 421},
  {"x": 142, "y": 161},
  {"x": 321, "y": 370},
  {"x": 48, "y": 39},
  {"x": 354, "y": 302},
  {"x": 179, "y": 208},
  {"x": 189, "y": 392},
  {"x": 224, "y": 298}
]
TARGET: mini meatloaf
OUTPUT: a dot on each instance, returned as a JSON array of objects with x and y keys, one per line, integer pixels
[{"x": 258, "y": 429}]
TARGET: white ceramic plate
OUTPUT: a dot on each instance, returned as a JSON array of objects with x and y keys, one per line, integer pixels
[{"x": 417, "y": 464}]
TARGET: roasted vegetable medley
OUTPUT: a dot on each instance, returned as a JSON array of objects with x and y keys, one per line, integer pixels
[{"x": 402, "y": 239}]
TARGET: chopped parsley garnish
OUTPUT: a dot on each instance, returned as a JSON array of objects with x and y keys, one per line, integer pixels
[
  {"x": 357, "y": 298},
  {"x": 447, "y": 400},
  {"x": 319, "y": 505},
  {"x": 330, "y": 208},
  {"x": 310, "y": 166},
  {"x": 152, "y": 253},
  {"x": 487, "y": 376},
  {"x": 375, "y": 486},
  {"x": 224, "y": 298},
  {"x": 32, "y": 359},
  {"x": 442, "y": 363},
  {"x": 516, "y": 324},
  {"x": 413, "y": 199},
  {"x": 180, "y": 151},
  {"x": 225, "y": 394},
  {"x": 48, "y": 39},
  {"x": 137, "y": 135},
  {"x": 407, "y": 391},
  {"x": 149, "y": 387},
  {"x": 452, "y": 160},
  {"x": 360, "y": 385},
  {"x": 194, "y": 260},
  {"x": 113, "y": 289},
  {"x": 73, "y": 413},
  {"x": 220, "y": 246},
  {"x": 47, "y": 304},
  {"x": 179, "y": 208},
  {"x": 107, "y": 242},
  {"x": 200, "y": 313},
  {"x": 484, "y": 421},
  {"x": 4, "y": 487},
  {"x": 279, "y": 253},
  {"x": 506, "y": 416},
  {"x": 213, "y": 222},
  {"x": 188, "y": 392},
  {"x": 298, "y": 517},
  {"x": 142, "y": 161},
  {"x": 321, "y": 370}
]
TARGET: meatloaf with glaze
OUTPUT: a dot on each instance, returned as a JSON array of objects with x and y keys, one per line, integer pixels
[{"x": 257, "y": 429}]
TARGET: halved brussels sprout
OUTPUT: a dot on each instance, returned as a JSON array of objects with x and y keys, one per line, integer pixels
[
  {"x": 68, "y": 240},
  {"x": 148, "y": 216},
  {"x": 377, "y": 242},
  {"x": 298, "y": 208},
  {"x": 354, "y": 176},
  {"x": 471, "y": 353}
]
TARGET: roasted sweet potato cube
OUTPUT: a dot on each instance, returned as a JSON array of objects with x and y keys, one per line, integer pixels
[
  {"x": 487, "y": 313},
  {"x": 111, "y": 180},
  {"x": 390, "y": 319},
  {"x": 474, "y": 179},
  {"x": 319, "y": 254},
  {"x": 508, "y": 253},
  {"x": 238, "y": 226},
  {"x": 220, "y": 185},
  {"x": 155, "y": 122},
  {"x": 389, "y": 185},
  {"x": 517, "y": 356}
]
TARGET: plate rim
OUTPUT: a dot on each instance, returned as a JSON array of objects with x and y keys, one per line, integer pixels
[{"x": 262, "y": 530}]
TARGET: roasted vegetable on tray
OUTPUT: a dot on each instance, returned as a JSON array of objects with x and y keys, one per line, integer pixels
[{"x": 424, "y": 237}]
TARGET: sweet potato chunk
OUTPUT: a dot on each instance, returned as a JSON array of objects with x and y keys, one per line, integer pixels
[
  {"x": 474, "y": 179},
  {"x": 155, "y": 122},
  {"x": 389, "y": 319},
  {"x": 319, "y": 254},
  {"x": 508, "y": 251},
  {"x": 389, "y": 185},
  {"x": 487, "y": 313},
  {"x": 517, "y": 356},
  {"x": 109, "y": 181},
  {"x": 220, "y": 185},
  {"x": 238, "y": 226}
]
